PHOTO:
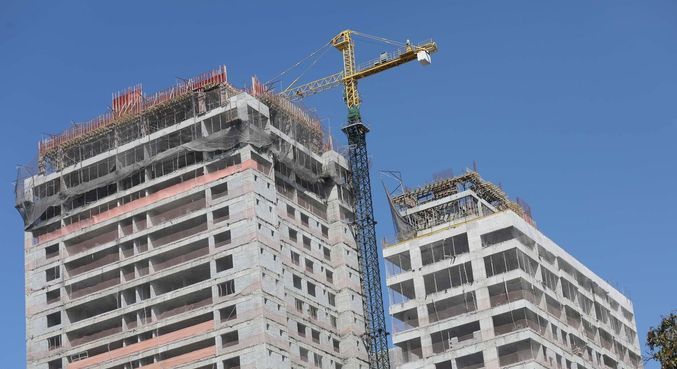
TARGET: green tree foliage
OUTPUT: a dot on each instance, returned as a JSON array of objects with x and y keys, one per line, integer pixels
[{"x": 662, "y": 341}]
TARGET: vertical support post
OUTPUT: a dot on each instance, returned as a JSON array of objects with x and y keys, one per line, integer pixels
[
  {"x": 376, "y": 336},
  {"x": 344, "y": 43}
]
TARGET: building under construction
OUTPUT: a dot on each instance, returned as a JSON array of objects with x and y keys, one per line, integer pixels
[
  {"x": 202, "y": 226},
  {"x": 206, "y": 226},
  {"x": 474, "y": 284}
]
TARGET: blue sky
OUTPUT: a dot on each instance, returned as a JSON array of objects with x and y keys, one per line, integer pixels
[{"x": 569, "y": 105}]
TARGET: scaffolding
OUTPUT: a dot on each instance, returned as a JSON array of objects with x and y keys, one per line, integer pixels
[
  {"x": 61, "y": 181},
  {"x": 451, "y": 199},
  {"x": 126, "y": 106}
]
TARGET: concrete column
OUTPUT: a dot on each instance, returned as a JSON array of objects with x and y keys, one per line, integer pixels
[
  {"x": 487, "y": 327},
  {"x": 426, "y": 345},
  {"x": 490, "y": 357},
  {"x": 483, "y": 299}
]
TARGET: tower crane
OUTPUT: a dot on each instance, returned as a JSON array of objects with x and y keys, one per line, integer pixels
[{"x": 375, "y": 339}]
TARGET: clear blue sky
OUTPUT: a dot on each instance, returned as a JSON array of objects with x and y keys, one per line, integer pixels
[{"x": 571, "y": 105}]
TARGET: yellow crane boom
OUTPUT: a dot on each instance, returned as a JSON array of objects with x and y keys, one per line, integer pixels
[{"x": 352, "y": 73}]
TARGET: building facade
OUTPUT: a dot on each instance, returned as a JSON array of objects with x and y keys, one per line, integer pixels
[
  {"x": 474, "y": 284},
  {"x": 199, "y": 227}
]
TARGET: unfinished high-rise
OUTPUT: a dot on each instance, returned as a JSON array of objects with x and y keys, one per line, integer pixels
[
  {"x": 199, "y": 227},
  {"x": 474, "y": 284}
]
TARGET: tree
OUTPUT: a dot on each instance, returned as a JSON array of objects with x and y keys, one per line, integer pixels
[{"x": 662, "y": 342}]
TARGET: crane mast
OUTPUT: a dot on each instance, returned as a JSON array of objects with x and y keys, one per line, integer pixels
[
  {"x": 344, "y": 42},
  {"x": 376, "y": 335}
]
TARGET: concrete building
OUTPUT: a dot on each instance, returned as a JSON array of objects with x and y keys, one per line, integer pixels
[
  {"x": 474, "y": 284},
  {"x": 199, "y": 227}
]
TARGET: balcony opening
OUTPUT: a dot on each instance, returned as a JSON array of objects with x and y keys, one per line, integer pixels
[
  {"x": 219, "y": 190},
  {"x": 180, "y": 255},
  {"x": 410, "y": 350},
  {"x": 228, "y": 313},
  {"x": 220, "y": 215},
  {"x": 222, "y": 239},
  {"x": 472, "y": 361},
  {"x": 54, "y": 319},
  {"x": 504, "y": 235},
  {"x": 405, "y": 320},
  {"x": 505, "y": 261},
  {"x": 182, "y": 304},
  {"x": 398, "y": 263},
  {"x": 514, "y": 290},
  {"x": 232, "y": 363},
  {"x": 179, "y": 231},
  {"x": 230, "y": 339},
  {"x": 518, "y": 352},
  {"x": 54, "y": 343},
  {"x": 224, "y": 263},
  {"x": 51, "y": 251},
  {"x": 181, "y": 279},
  {"x": 452, "y": 306},
  {"x": 449, "y": 338},
  {"x": 446, "y": 249},
  {"x": 445, "y": 279},
  {"x": 518, "y": 319},
  {"x": 96, "y": 331},
  {"x": 402, "y": 292},
  {"x": 226, "y": 288}
]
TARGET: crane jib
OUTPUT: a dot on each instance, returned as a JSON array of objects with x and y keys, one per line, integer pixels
[{"x": 362, "y": 70}]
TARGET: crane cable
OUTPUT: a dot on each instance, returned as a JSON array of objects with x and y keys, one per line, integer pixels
[
  {"x": 306, "y": 70},
  {"x": 298, "y": 63},
  {"x": 390, "y": 42},
  {"x": 376, "y": 38}
]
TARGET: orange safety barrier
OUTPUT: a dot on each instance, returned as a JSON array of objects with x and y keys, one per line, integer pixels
[
  {"x": 145, "y": 345},
  {"x": 150, "y": 199},
  {"x": 132, "y": 101}
]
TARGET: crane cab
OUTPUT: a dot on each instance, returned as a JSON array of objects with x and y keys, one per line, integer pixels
[{"x": 382, "y": 58}]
